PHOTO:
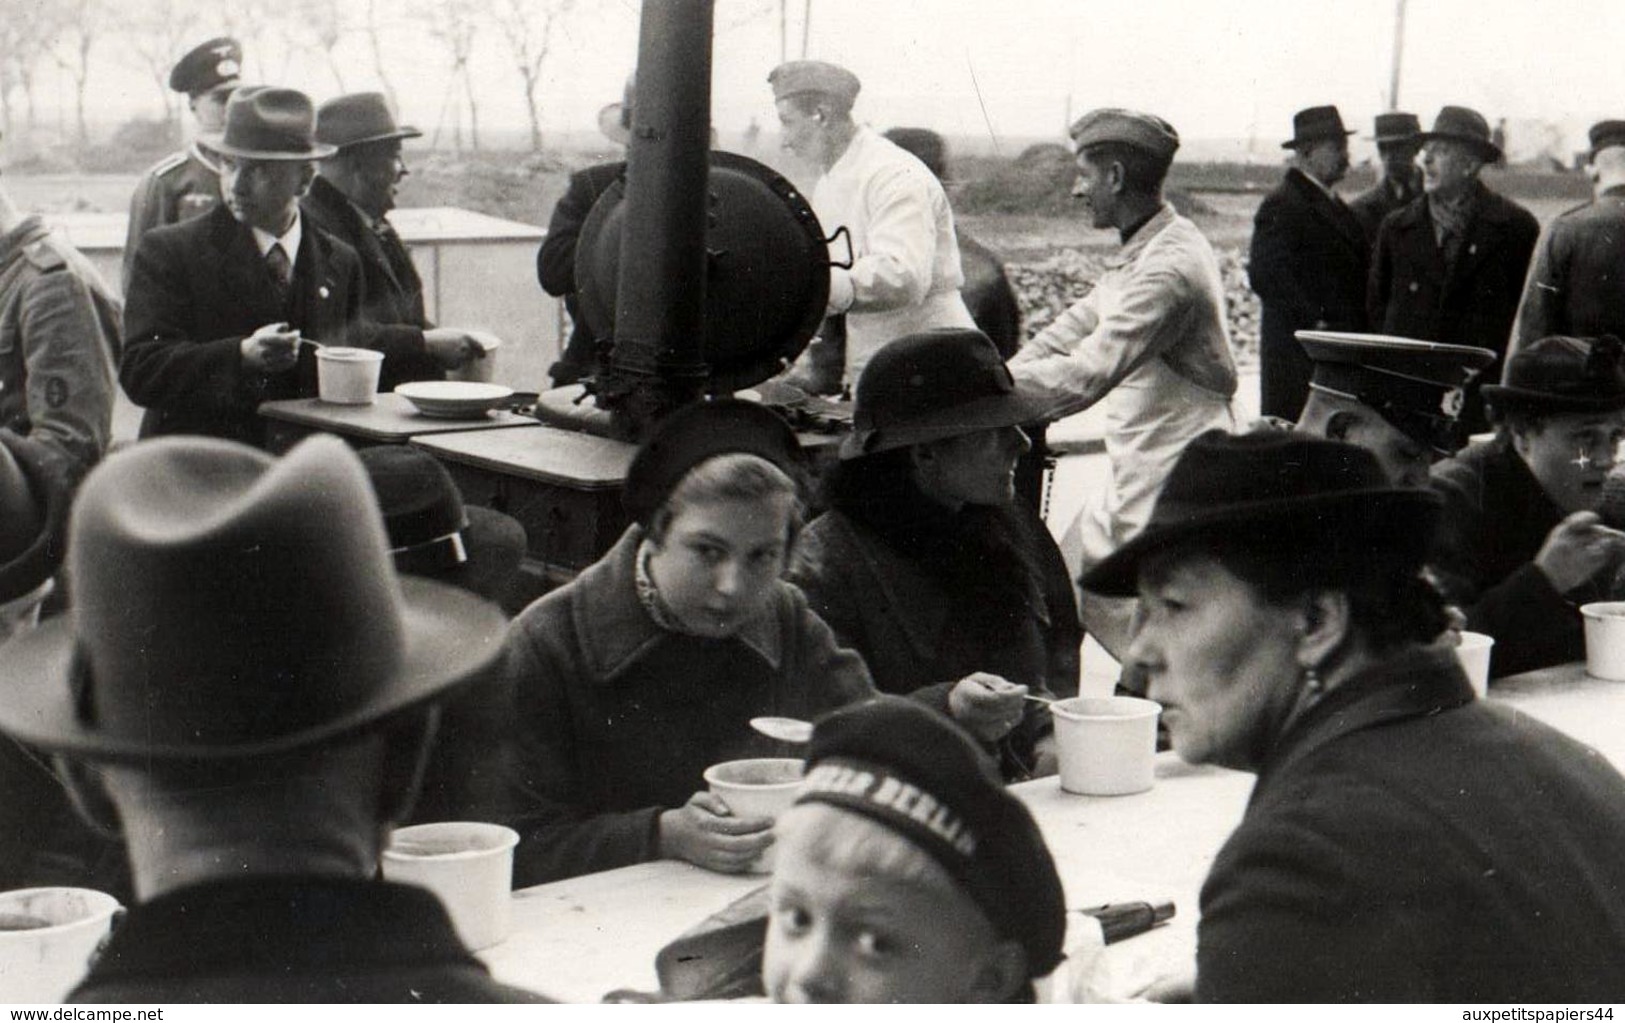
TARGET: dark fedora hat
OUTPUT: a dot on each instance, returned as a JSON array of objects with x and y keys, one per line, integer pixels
[
  {"x": 264, "y": 122},
  {"x": 357, "y": 119},
  {"x": 1287, "y": 489},
  {"x": 1563, "y": 374},
  {"x": 1418, "y": 387},
  {"x": 432, "y": 533},
  {"x": 931, "y": 385},
  {"x": 228, "y": 605},
  {"x": 1606, "y": 134},
  {"x": 1465, "y": 125},
  {"x": 696, "y": 432},
  {"x": 1316, "y": 124},
  {"x": 615, "y": 119},
  {"x": 1396, "y": 127}
]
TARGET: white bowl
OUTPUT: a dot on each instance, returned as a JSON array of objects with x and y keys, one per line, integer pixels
[
  {"x": 454, "y": 399},
  {"x": 42, "y": 963}
]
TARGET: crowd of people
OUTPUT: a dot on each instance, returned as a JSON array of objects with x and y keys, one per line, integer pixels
[{"x": 227, "y": 676}]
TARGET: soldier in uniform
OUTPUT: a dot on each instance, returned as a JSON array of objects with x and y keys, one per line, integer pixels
[
  {"x": 185, "y": 184},
  {"x": 59, "y": 330},
  {"x": 1576, "y": 285},
  {"x": 1397, "y": 146}
]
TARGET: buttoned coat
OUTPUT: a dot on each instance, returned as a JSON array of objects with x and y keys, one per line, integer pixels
[
  {"x": 1405, "y": 842},
  {"x": 291, "y": 939},
  {"x": 1496, "y": 518},
  {"x": 1308, "y": 263},
  {"x": 197, "y": 290},
  {"x": 1414, "y": 294},
  {"x": 59, "y": 331},
  {"x": 1576, "y": 283},
  {"x": 615, "y": 718},
  {"x": 394, "y": 291}
]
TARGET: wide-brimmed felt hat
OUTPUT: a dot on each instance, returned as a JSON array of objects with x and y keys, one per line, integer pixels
[
  {"x": 696, "y": 432},
  {"x": 1563, "y": 374},
  {"x": 910, "y": 769},
  {"x": 1289, "y": 490},
  {"x": 1316, "y": 124},
  {"x": 1396, "y": 127},
  {"x": 1465, "y": 125},
  {"x": 357, "y": 119},
  {"x": 207, "y": 67},
  {"x": 615, "y": 119},
  {"x": 432, "y": 533},
  {"x": 229, "y": 605},
  {"x": 1418, "y": 387},
  {"x": 932, "y": 385},
  {"x": 264, "y": 122}
]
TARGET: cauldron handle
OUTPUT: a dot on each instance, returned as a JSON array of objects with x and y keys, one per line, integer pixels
[{"x": 850, "y": 257}]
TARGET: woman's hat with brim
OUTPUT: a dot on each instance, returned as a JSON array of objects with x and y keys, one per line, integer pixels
[
  {"x": 1464, "y": 125},
  {"x": 1563, "y": 374},
  {"x": 703, "y": 430},
  {"x": 934, "y": 385},
  {"x": 359, "y": 118},
  {"x": 231, "y": 605},
  {"x": 1288, "y": 490},
  {"x": 268, "y": 123},
  {"x": 432, "y": 533}
]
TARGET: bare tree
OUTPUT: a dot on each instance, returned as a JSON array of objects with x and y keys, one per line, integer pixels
[
  {"x": 154, "y": 35},
  {"x": 454, "y": 23},
  {"x": 76, "y": 34},
  {"x": 526, "y": 27},
  {"x": 374, "y": 33},
  {"x": 319, "y": 26},
  {"x": 26, "y": 29}
]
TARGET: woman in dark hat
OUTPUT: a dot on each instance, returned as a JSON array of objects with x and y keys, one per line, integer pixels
[
  {"x": 925, "y": 564},
  {"x": 1404, "y": 842},
  {"x": 647, "y": 668}
]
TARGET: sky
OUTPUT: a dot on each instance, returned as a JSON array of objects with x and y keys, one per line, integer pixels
[{"x": 1233, "y": 69}]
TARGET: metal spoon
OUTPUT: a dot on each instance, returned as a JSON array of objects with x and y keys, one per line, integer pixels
[
  {"x": 784, "y": 729},
  {"x": 1046, "y": 701}
]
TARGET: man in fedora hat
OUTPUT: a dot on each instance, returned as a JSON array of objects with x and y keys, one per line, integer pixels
[
  {"x": 905, "y": 272},
  {"x": 1401, "y": 180},
  {"x": 350, "y": 200},
  {"x": 219, "y": 307},
  {"x": 186, "y": 184},
  {"x": 1521, "y": 542},
  {"x": 1401, "y": 400},
  {"x": 1149, "y": 340},
  {"x": 1576, "y": 283},
  {"x": 556, "y": 259},
  {"x": 247, "y": 692},
  {"x": 1308, "y": 260},
  {"x": 1450, "y": 266}
]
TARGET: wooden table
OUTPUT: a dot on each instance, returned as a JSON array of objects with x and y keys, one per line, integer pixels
[
  {"x": 391, "y": 419},
  {"x": 579, "y": 939}
]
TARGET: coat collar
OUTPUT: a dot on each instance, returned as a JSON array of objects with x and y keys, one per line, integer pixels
[
  {"x": 1412, "y": 683},
  {"x": 301, "y": 922},
  {"x": 333, "y": 210},
  {"x": 28, "y": 231},
  {"x": 1136, "y": 245},
  {"x": 615, "y": 630},
  {"x": 1326, "y": 205}
]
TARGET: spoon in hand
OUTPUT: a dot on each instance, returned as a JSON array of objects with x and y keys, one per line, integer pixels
[{"x": 784, "y": 729}]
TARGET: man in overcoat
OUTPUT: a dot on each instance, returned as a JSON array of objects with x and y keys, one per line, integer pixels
[
  {"x": 1577, "y": 281},
  {"x": 219, "y": 307},
  {"x": 1309, "y": 258},
  {"x": 350, "y": 200},
  {"x": 1450, "y": 266},
  {"x": 254, "y": 790},
  {"x": 1521, "y": 544},
  {"x": 1401, "y": 181}
]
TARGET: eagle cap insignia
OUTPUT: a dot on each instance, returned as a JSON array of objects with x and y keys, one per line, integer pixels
[
  {"x": 1452, "y": 402},
  {"x": 227, "y": 68}
]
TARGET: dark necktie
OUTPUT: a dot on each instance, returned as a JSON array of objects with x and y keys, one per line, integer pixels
[{"x": 281, "y": 270}]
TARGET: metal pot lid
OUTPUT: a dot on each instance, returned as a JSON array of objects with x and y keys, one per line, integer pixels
[{"x": 767, "y": 274}]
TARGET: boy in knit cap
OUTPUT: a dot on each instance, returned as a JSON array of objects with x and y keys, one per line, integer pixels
[{"x": 906, "y": 872}]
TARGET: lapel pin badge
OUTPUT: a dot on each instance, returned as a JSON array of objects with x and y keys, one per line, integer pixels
[{"x": 322, "y": 291}]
